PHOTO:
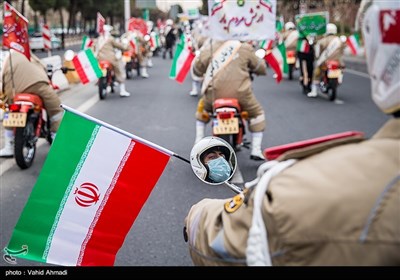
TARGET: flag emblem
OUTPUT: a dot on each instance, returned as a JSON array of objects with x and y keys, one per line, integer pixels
[{"x": 87, "y": 194}]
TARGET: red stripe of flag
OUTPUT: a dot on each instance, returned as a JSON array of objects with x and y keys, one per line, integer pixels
[
  {"x": 185, "y": 68},
  {"x": 135, "y": 183},
  {"x": 271, "y": 60},
  {"x": 79, "y": 70}
]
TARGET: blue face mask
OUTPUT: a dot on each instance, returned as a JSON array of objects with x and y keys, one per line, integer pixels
[{"x": 219, "y": 170}]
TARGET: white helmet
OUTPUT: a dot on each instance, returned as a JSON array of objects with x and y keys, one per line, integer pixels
[
  {"x": 200, "y": 149},
  {"x": 331, "y": 29},
  {"x": 108, "y": 28},
  {"x": 289, "y": 25},
  {"x": 380, "y": 28}
]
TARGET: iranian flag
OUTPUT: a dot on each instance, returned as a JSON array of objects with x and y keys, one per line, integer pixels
[
  {"x": 303, "y": 46},
  {"x": 92, "y": 187},
  {"x": 182, "y": 61},
  {"x": 266, "y": 44},
  {"x": 87, "y": 42},
  {"x": 277, "y": 60},
  {"x": 87, "y": 66},
  {"x": 353, "y": 42}
]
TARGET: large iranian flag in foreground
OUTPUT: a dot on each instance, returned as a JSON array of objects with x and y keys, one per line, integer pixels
[
  {"x": 182, "y": 61},
  {"x": 92, "y": 187}
]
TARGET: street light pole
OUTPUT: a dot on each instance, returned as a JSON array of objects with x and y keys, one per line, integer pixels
[{"x": 127, "y": 9}]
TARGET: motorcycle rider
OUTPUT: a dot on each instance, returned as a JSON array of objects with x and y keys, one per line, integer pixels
[
  {"x": 290, "y": 36},
  {"x": 105, "y": 51},
  {"x": 231, "y": 79},
  {"x": 328, "y": 48},
  {"x": 320, "y": 209},
  {"x": 198, "y": 40},
  {"x": 214, "y": 161},
  {"x": 27, "y": 76},
  {"x": 170, "y": 34},
  {"x": 305, "y": 54}
]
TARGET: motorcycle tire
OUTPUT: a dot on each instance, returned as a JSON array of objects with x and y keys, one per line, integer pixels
[
  {"x": 231, "y": 139},
  {"x": 291, "y": 66},
  {"x": 332, "y": 88},
  {"x": 102, "y": 88},
  {"x": 25, "y": 145},
  {"x": 47, "y": 133},
  {"x": 128, "y": 70},
  {"x": 138, "y": 69}
]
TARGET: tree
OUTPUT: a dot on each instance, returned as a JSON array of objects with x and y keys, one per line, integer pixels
[{"x": 41, "y": 6}]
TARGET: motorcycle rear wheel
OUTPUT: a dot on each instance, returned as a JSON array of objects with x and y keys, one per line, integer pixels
[
  {"x": 231, "y": 139},
  {"x": 102, "y": 88},
  {"x": 128, "y": 70},
  {"x": 25, "y": 145},
  {"x": 332, "y": 88}
]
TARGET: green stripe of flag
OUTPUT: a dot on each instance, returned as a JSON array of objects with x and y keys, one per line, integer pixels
[
  {"x": 49, "y": 190},
  {"x": 179, "y": 49},
  {"x": 94, "y": 62}
]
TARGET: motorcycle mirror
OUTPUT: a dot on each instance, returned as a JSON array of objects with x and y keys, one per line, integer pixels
[
  {"x": 212, "y": 148},
  {"x": 69, "y": 55},
  {"x": 260, "y": 53}
]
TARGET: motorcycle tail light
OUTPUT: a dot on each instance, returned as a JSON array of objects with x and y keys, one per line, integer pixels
[
  {"x": 225, "y": 115},
  {"x": 333, "y": 65},
  {"x": 291, "y": 54},
  {"x": 15, "y": 107}
]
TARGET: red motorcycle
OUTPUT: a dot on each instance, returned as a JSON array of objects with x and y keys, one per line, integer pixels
[
  {"x": 131, "y": 61},
  {"x": 228, "y": 122},
  {"x": 331, "y": 78},
  {"x": 291, "y": 61},
  {"x": 28, "y": 118},
  {"x": 106, "y": 82}
]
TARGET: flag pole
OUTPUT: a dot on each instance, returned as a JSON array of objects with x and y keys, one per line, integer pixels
[{"x": 123, "y": 132}]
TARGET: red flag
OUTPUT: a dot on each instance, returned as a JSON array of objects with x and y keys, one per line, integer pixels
[
  {"x": 100, "y": 23},
  {"x": 15, "y": 31}
]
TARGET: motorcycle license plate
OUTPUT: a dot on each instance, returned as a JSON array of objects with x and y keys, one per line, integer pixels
[
  {"x": 14, "y": 119},
  {"x": 126, "y": 59},
  {"x": 226, "y": 126},
  {"x": 291, "y": 60},
  {"x": 334, "y": 74}
]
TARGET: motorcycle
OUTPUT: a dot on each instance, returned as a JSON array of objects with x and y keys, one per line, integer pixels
[
  {"x": 107, "y": 81},
  {"x": 331, "y": 78},
  {"x": 131, "y": 62},
  {"x": 228, "y": 122},
  {"x": 291, "y": 61},
  {"x": 28, "y": 118}
]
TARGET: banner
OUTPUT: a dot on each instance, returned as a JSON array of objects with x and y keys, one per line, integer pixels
[
  {"x": 92, "y": 187},
  {"x": 242, "y": 20},
  {"x": 312, "y": 24},
  {"x": 15, "y": 31}
]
